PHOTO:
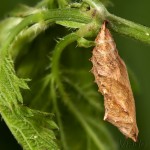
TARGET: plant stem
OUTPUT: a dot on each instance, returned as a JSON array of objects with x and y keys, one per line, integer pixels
[
  {"x": 55, "y": 77},
  {"x": 95, "y": 105},
  {"x": 102, "y": 11},
  {"x": 120, "y": 25},
  {"x": 55, "y": 73},
  {"x": 62, "y": 3},
  {"x": 47, "y": 16},
  {"x": 129, "y": 28},
  {"x": 54, "y": 100},
  {"x": 58, "y": 50},
  {"x": 79, "y": 116}
]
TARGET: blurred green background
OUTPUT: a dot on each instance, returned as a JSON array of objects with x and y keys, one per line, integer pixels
[{"x": 137, "y": 57}]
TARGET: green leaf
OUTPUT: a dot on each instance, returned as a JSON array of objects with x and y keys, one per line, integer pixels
[
  {"x": 6, "y": 27},
  {"x": 32, "y": 129},
  {"x": 23, "y": 11},
  {"x": 10, "y": 85}
]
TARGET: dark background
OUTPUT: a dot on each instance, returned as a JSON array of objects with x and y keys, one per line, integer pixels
[{"x": 137, "y": 57}]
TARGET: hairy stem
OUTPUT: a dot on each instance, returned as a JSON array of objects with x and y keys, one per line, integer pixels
[
  {"x": 129, "y": 28},
  {"x": 62, "y": 3},
  {"x": 55, "y": 72},
  {"x": 120, "y": 25},
  {"x": 55, "y": 75},
  {"x": 55, "y": 104},
  {"x": 80, "y": 117},
  {"x": 58, "y": 50},
  {"x": 49, "y": 16}
]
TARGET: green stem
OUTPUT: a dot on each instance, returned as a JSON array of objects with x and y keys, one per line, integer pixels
[
  {"x": 58, "y": 50},
  {"x": 46, "y": 3},
  {"x": 79, "y": 116},
  {"x": 120, "y": 25},
  {"x": 129, "y": 28},
  {"x": 49, "y": 16},
  {"x": 62, "y": 3},
  {"x": 103, "y": 131},
  {"x": 102, "y": 11},
  {"x": 55, "y": 73},
  {"x": 95, "y": 105},
  {"x": 54, "y": 100}
]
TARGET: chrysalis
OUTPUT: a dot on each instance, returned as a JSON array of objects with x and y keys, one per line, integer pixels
[{"x": 112, "y": 79}]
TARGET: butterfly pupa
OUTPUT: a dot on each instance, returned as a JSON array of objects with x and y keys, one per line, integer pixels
[{"x": 113, "y": 82}]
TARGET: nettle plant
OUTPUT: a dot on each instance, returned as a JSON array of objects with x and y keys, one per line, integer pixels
[{"x": 48, "y": 97}]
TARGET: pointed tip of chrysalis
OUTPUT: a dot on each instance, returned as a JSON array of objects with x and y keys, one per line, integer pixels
[
  {"x": 135, "y": 139},
  {"x": 105, "y": 117},
  {"x": 130, "y": 132},
  {"x": 135, "y": 135}
]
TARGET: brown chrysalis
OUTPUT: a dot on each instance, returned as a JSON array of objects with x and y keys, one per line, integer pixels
[{"x": 112, "y": 79}]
